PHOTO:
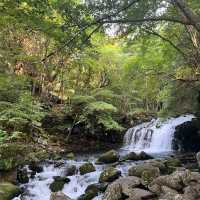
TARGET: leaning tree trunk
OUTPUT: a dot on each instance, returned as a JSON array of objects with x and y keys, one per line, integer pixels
[{"x": 188, "y": 13}]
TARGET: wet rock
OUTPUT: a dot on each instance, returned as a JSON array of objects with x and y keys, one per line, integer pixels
[
  {"x": 22, "y": 176},
  {"x": 35, "y": 167},
  {"x": 86, "y": 168},
  {"x": 58, "y": 183},
  {"x": 109, "y": 157},
  {"x": 198, "y": 158},
  {"x": 70, "y": 156},
  {"x": 146, "y": 171},
  {"x": 144, "y": 156},
  {"x": 59, "y": 164},
  {"x": 108, "y": 175},
  {"x": 130, "y": 156},
  {"x": 59, "y": 196},
  {"x": 8, "y": 191},
  {"x": 70, "y": 170},
  {"x": 90, "y": 192}
]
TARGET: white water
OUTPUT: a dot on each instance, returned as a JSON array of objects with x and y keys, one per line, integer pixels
[{"x": 154, "y": 136}]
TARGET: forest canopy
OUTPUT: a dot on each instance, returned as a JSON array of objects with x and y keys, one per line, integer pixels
[{"x": 132, "y": 55}]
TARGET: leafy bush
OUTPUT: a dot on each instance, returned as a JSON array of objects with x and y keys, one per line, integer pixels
[
  {"x": 95, "y": 113},
  {"x": 100, "y": 107},
  {"x": 11, "y": 87},
  {"x": 109, "y": 123},
  {"x": 16, "y": 116}
]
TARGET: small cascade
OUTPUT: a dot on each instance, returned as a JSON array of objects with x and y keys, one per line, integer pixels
[{"x": 154, "y": 136}]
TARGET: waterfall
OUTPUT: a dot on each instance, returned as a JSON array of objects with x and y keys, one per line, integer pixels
[{"x": 154, "y": 136}]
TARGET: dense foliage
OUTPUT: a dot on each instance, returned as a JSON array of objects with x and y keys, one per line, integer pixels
[{"x": 101, "y": 59}]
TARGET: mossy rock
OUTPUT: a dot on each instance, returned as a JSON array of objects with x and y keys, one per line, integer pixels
[
  {"x": 146, "y": 171},
  {"x": 130, "y": 156},
  {"x": 70, "y": 170},
  {"x": 8, "y": 191},
  {"x": 90, "y": 192},
  {"x": 171, "y": 164},
  {"x": 58, "y": 183},
  {"x": 108, "y": 175},
  {"x": 109, "y": 157},
  {"x": 86, "y": 168},
  {"x": 70, "y": 156}
]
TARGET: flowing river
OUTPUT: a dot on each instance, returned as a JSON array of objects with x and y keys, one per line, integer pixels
[{"x": 153, "y": 137}]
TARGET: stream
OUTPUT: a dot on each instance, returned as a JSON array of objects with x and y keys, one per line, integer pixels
[{"x": 154, "y": 137}]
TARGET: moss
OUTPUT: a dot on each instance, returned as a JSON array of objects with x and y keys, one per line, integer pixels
[
  {"x": 58, "y": 183},
  {"x": 146, "y": 171},
  {"x": 70, "y": 156},
  {"x": 109, "y": 175},
  {"x": 86, "y": 168},
  {"x": 109, "y": 157},
  {"x": 8, "y": 191}
]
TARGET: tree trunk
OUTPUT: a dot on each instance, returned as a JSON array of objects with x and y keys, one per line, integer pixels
[{"x": 188, "y": 13}]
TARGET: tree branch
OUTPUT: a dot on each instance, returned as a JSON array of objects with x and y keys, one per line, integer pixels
[
  {"x": 166, "y": 40},
  {"x": 156, "y": 19}
]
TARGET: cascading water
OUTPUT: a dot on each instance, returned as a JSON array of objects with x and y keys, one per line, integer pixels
[{"x": 154, "y": 136}]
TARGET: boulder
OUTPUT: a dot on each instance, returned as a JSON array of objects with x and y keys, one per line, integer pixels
[
  {"x": 8, "y": 191},
  {"x": 90, "y": 192},
  {"x": 70, "y": 170},
  {"x": 109, "y": 157},
  {"x": 146, "y": 171},
  {"x": 126, "y": 187},
  {"x": 130, "y": 156},
  {"x": 22, "y": 176},
  {"x": 144, "y": 156},
  {"x": 86, "y": 168},
  {"x": 173, "y": 181},
  {"x": 157, "y": 163},
  {"x": 189, "y": 178},
  {"x": 192, "y": 192},
  {"x": 139, "y": 194},
  {"x": 59, "y": 196},
  {"x": 58, "y": 183},
  {"x": 172, "y": 164},
  {"x": 108, "y": 175}
]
